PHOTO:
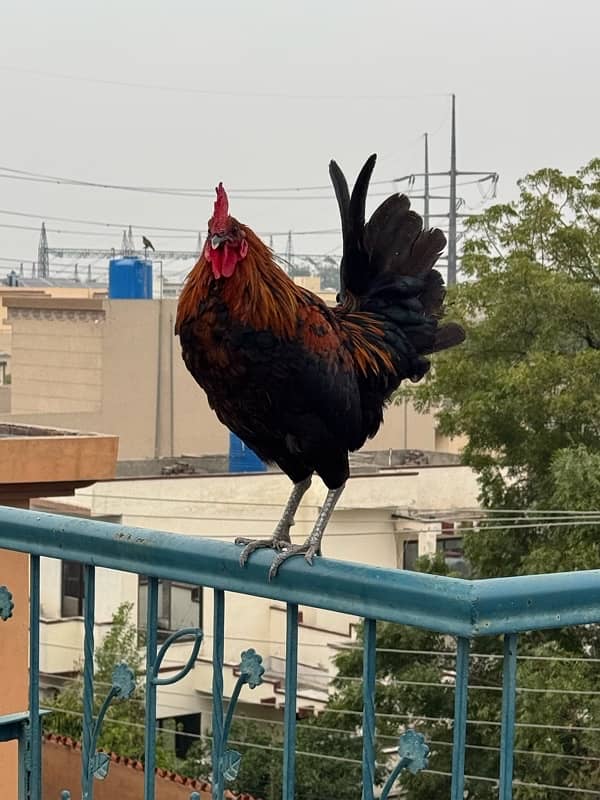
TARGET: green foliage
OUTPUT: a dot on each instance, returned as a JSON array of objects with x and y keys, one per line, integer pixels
[
  {"x": 524, "y": 384},
  {"x": 319, "y": 739}
]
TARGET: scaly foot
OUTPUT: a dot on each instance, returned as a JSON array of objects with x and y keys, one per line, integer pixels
[
  {"x": 308, "y": 550},
  {"x": 278, "y": 541}
]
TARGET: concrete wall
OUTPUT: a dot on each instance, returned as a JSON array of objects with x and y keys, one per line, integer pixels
[{"x": 61, "y": 763}]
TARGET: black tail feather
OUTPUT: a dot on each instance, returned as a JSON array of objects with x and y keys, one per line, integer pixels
[
  {"x": 448, "y": 335},
  {"x": 355, "y": 271},
  {"x": 388, "y": 265},
  {"x": 340, "y": 186},
  {"x": 358, "y": 198}
]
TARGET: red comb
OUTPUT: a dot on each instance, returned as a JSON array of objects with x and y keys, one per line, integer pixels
[{"x": 221, "y": 210}]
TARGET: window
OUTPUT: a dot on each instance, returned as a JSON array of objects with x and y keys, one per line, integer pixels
[
  {"x": 179, "y": 606},
  {"x": 175, "y": 733},
  {"x": 452, "y": 549},
  {"x": 410, "y": 553},
  {"x": 72, "y": 589}
]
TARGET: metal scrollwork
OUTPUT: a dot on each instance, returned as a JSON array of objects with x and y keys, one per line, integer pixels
[
  {"x": 414, "y": 756},
  {"x": 6, "y": 603},
  {"x": 65, "y": 795},
  {"x": 251, "y": 672},
  {"x": 123, "y": 686},
  {"x": 198, "y": 634}
]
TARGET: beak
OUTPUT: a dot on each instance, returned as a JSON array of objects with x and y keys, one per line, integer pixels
[{"x": 216, "y": 240}]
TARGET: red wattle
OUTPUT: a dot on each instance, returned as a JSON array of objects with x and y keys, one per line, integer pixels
[
  {"x": 229, "y": 261},
  {"x": 224, "y": 259}
]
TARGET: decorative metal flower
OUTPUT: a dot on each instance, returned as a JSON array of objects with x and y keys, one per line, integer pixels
[
  {"x": 123, "y": 681},
  {"x": 101, "y": 765},
  {"x": 251, "y": 668},
  {"x": 413, "y": 749},
  {"x": 230, "y": 764},
  {"x": 6, "y": 603}
]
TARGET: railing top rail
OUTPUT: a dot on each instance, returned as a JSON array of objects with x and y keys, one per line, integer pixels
[{"x": 448, "y": 605}]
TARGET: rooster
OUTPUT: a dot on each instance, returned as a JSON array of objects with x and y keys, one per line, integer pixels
[{"x": 303, "y": 384}]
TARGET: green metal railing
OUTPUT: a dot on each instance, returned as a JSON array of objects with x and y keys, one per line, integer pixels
[{"x": 459, "y": 608}]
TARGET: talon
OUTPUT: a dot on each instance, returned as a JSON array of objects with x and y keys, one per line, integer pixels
[
  {"x": 275, "y": 543},
  {"x": 309, "y": 551}
]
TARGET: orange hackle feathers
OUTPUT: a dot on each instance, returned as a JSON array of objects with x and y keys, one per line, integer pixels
[{"x": 259, "y": 293}]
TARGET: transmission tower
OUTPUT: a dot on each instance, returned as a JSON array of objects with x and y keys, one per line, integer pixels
[
  {"x": 289, "y": 253},
  {"x": 453, "y": 173},
  {"x": 43, "y": 257}
]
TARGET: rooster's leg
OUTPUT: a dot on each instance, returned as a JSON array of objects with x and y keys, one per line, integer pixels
[
  {"x": 312, "y": 546},
  {"x": 281, "y": 534}
]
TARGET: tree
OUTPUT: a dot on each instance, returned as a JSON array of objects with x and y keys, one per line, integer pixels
[
  {"x": 328, "y": 753},
  {"x": 524, "y": 384}
]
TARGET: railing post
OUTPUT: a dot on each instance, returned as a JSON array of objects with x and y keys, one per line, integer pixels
[
  {"x": 89, "y": 602},
  {"x": 34, "y": 745},
  {"x": 150, "y": 732},
  {"x": 291, "y": 686},
  {"x": 217, "y": 692},
  {"x": 461, "y": 693},
  {"x": 507, "y": 737},
  {"x": 369, "y": 665}
]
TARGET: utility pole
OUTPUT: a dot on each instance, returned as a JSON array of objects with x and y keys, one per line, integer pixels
[
  {"x": 426, "y": 185},
  {"x": 451, "y": 275},
  {"x": 452, "y": 174},
  {"x": 43, "y": 257}
]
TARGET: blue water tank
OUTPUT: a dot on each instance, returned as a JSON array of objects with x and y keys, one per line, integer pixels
[
  {"x": 129, "y": 279},
  {"x": 241, "y": 458}
]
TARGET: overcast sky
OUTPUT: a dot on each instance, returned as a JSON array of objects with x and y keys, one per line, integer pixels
[{"x": 262, "y": 93}]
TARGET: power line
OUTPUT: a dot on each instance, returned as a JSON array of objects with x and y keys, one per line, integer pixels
[
  {"x": 215, "y": 92},
  {"x": 293, "y": 193}
]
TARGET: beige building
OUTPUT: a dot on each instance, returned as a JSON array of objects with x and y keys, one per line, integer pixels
[
  {"x": 68, "y": 292},
  {"x": 114, "y": 366}
]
